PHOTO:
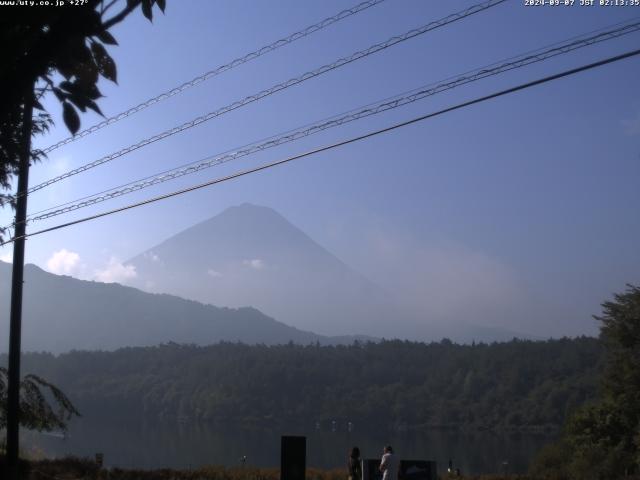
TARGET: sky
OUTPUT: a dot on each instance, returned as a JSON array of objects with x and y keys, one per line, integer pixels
[{"x": 520, "y": 212}]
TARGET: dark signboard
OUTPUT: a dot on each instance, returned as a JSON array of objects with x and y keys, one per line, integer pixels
[
  {"x": 371, "y": 469},
  {"x": 293, "y": 458}
]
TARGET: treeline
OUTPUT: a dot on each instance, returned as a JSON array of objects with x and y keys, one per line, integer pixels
[
  {"x": 396, "y": 384},
  {"x": 601, "y": 440}
]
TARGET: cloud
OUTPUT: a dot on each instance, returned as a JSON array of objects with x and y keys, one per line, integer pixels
[
  {"x": 213, "y": 273},
  {"x": 255, "y": 263},
  {"x": 7, "y": 257},
  {"x": 115, "y": 272},
  {"x": 63, "y": 262},
  {"x": 632, "y": 126}
]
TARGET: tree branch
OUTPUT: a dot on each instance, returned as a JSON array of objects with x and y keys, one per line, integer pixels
[
  {"x": 122, "y": 15},
  {"x": 111, "y": 4}
]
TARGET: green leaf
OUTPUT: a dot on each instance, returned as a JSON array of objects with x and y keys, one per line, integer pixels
[
  {"x": 162, "y": 4},
  {"x": 106, "y": 38},
  {"x": 79, "y": 101},
  {"x": 77, "y": 50},
  {"x": 71, "y": 118},
  {"x": 65, "y": 69},
  {"x": 93, "y": 20},
  {"x": 68, "y": 86},
  {"x": 106, "y": 65},
  {"x": 94, "y": 106},
  {"x": 146, "y": 9},
  {"x": 93, "y": 93},
  {"x": 99, "y": 52},
  {"x": 87, "y": 75},
  {"x": 108, "y": 69},
  {"x": 60, "y": 94}
]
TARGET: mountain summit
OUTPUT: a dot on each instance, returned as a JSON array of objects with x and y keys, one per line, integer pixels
[{"x": 250, "y": 255}]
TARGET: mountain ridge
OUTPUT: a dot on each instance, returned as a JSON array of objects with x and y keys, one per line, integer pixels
[{"x": 62, "y": 313}]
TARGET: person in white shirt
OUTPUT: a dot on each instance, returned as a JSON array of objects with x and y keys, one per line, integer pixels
[{"x": 389, "y": 464}]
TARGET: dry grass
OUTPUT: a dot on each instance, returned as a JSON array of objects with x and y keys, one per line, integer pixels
[{"x": 72, "y": 468}]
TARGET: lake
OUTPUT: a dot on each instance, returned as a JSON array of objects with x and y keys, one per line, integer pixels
[{"x": 184, "y": 445}]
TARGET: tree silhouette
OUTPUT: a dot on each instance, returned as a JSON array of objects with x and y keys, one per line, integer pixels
[
  {"x": 36, "y": 412},
  {"x": 57, "y": 49},
  {"x": 44, "y": 43},
  {"x": 602, "y": 439}
]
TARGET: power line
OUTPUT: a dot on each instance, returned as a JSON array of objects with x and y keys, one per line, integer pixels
[
  {"x": 387, "y": 104},
  {"x": 218, "y": 70},
  {"x": 266, "y": 166},
  {"x": 276, "y": 88}
]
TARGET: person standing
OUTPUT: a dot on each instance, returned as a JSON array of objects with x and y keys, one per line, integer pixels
[
  {"x": 389, "y": 464},
  {"x": 355, "y": 464}
]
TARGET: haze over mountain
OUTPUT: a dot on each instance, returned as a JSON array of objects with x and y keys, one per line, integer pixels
[
  {"x": 263, "y": 255},
  {"x": 251, "y": 256},
  {"x": 61, "y": 313}
]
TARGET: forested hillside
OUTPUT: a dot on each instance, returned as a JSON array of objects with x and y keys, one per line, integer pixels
[{"x": 518, "y": 384}]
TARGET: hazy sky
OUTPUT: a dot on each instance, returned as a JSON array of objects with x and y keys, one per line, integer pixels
[{"x": 519, "y": 212}]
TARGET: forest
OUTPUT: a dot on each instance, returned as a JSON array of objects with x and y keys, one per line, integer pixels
[{"x": 513, "y": 385}]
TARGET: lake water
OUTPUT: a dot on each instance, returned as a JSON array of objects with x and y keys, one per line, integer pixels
[{"x": 175, "y": 445}]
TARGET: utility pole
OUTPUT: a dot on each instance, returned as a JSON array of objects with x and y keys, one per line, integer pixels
[{"x": 15, "y": 326}]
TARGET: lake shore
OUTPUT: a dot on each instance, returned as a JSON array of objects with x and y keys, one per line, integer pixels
[{"x": 72, "y": 468}]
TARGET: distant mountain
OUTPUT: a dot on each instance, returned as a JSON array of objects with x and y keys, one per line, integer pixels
[
  {"x": 61, "y": 313},
  {"x": 251, "y": 255}
]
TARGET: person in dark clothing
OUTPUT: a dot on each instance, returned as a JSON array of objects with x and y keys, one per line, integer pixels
[{"x": 355, "y": 464}]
